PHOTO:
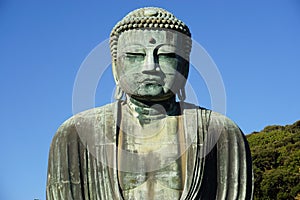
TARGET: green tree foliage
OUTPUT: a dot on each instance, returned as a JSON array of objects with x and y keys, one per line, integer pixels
[{"x": 276, "y": 162}]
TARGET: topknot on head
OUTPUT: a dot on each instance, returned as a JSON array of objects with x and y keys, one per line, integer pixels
[{"x": 148, "y": 17}]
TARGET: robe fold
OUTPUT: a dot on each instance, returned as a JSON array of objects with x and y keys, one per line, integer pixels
[{"x": 83, "y": 158}]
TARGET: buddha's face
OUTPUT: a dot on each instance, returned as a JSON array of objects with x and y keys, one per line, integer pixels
[{"x": 148, "y": 63}]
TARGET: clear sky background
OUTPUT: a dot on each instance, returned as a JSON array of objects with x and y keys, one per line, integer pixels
[{"x": 255, "y": 45}]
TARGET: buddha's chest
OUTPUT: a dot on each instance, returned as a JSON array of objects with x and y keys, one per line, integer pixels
[
  {"x": 154, "y": 155},
  {"x": 164, "y": 184}
]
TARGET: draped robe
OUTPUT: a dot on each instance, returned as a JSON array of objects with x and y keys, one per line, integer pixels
[{"x": 83, "y": 157}]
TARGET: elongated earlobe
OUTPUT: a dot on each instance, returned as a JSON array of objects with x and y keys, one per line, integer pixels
[
  {"x": 181, "y": 94},
  {"x": 118, "y": 93}
]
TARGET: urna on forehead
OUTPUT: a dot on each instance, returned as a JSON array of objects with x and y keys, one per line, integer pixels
[{"x": 151, "y": 37}]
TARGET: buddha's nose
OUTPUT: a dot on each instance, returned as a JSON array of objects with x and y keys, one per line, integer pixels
[{"x": 150, "y": 64}]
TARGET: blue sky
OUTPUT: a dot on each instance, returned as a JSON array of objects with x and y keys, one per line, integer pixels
[{"x": 255, "y": 45}]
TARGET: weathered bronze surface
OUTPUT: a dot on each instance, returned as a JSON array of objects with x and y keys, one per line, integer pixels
[{"x": 146, "y": 145}]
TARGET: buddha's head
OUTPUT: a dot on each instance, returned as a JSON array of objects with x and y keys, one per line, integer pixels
[{"x": 150, "y": 51}]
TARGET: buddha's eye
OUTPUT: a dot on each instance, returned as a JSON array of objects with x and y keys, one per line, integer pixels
[
  {"x": 166, "y": 57},
  {"x": 134, "y": 57}
]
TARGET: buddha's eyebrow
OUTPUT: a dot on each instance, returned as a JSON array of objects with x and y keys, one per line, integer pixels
[
  {"x": 167, "y": 48},
  {"x": 133, "y": 48},
  {"x": 163, "y": 46},
  {"x": 138, "y": 50}
]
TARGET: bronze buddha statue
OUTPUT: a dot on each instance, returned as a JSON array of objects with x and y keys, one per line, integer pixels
[{"x": 146, "y": 145}]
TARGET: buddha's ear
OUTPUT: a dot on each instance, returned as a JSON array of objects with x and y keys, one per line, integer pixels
[
  {"x": 114, "y": 71},
  {"x": 119, "y": 93},
  {"x": 184, "y": 72},
  {"x": 184, "y": 67},
  {"x": 181, "y": 94}
]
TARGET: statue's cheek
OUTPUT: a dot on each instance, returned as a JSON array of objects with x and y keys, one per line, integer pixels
[
  {"x": 169, "y": 81},
  {"x": 128, "y": 83}
]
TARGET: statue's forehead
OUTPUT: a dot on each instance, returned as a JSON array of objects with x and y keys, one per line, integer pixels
[{"x": 149, "y": 37}]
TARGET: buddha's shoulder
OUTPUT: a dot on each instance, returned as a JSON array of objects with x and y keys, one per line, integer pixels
[
  {"x": 86, "y": 120},
  {"x": 221, "y": 120},
  {"x": 218, "y": 124},
  {"x": 209, "y": 117}
]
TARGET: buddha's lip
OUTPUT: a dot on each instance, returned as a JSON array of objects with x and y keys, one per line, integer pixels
[{"x": 151, "y": 80}]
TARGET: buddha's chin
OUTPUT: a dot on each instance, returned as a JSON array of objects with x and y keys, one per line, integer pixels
[
  {"x": 150, "y": 92},
  {"x": 153, "y": 97}
]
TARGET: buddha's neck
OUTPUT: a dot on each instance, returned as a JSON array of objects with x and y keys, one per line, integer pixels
[{"x": 147, "y": 111}]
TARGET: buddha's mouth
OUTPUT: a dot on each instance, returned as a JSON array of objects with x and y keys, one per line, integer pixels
[{"x": 151, "y": 82}]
